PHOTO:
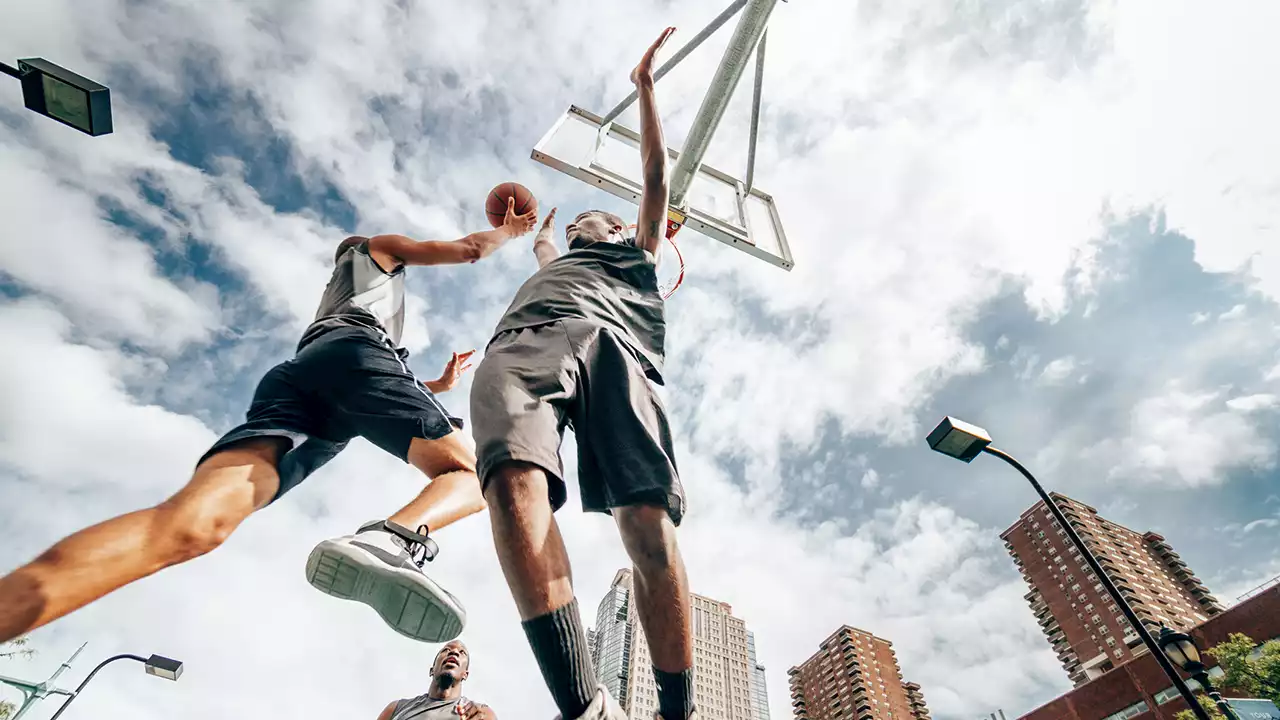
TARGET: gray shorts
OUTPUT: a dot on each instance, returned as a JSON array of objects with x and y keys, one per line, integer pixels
[{"x": 533, "y": 382}]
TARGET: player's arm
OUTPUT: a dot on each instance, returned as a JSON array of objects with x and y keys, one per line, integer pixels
[
  {"x": 387, "y": 712},
  {"x": 651, "y": 226},
  {"x": 544, "y": 244},
  {"x": 403, "y": 250}
]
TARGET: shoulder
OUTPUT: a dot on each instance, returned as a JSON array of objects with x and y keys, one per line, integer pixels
[{"x": 390, "y": 710}]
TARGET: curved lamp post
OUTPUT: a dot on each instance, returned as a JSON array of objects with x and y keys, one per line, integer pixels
[
  {"x": 963, "y": 441},
  {"x": 157, "y": 665},
  {"x": 1182, "y": 650}
]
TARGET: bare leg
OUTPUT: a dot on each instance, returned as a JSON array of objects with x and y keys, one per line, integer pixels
[
  {"x": 662, "y": 589},
  {"x": 453, "y": 491},
  {"x": 530, "y": 548},
  {"x": 224, "y": 490}
]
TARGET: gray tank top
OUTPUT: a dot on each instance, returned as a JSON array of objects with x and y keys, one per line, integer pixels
[
  {"x": 360, "y": 294},
  {"x": 425, "y": 708},
  {"x": 612, "y": 284}
]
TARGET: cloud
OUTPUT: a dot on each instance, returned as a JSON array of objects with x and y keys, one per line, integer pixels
[
  {"x": 870, "y": 479},
  {"x": 1253, "y": 403},
  {"x": 1058, "y": 370}
]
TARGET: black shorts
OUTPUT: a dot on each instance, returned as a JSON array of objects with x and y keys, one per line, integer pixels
[
  {"x": 349, "y": 382},
  {"x": 533, "y": 382}
]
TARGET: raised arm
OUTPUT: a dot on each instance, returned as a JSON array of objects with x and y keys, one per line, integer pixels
[
  {"x": 544, "y": 244},
  {"x": 400, "y": 250},
  {"x": 651, "y": 226}
]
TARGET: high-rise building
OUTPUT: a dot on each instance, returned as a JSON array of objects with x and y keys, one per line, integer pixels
[
  {"x": 722, "y": 658},
  {"x": 854, "y": 676},
  {"x": 1087, "y": 630},
  {"x": 759, "y": 693}
]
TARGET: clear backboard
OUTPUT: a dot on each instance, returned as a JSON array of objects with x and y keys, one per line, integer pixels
[{"x": 718, "y": 205}]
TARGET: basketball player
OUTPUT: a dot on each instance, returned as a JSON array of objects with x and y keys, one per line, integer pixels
[
  {"x": 580, "y": 345},
  {"x": 443, "y": 700},
  {"x": 349, "y": 378}
]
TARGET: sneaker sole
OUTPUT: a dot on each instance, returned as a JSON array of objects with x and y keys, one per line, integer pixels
[{"x": 399, "y": 596}]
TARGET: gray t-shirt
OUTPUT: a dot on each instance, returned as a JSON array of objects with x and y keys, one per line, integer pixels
[
  {"x": 360, "y": 294},
  {"x": 425, "y": 708},
  {"x": 612, "y": 284}
]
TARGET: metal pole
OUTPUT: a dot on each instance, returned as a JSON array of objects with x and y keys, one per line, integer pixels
[
  {"x": 1202, "y": 677},
  {"x": 93, "y": 672},
  {"x": 681, "y": 54},
  {"x": 10, "y": 70},
  {"x": 1105, "y": 579},
  {"x": 755, "y": 111},
  {"x": 755, "y": 17}
]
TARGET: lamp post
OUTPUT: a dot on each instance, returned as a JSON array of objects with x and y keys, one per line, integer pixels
[
  {"x": 157, "y": 665},
  {"x": 963, "y": 441},
  {"x": 1181, "y": 649},
  {"x": 58, "y": 93}
]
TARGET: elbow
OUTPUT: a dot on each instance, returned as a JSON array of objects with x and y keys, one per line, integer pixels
[
  {"x": 656, "y": 178},
  {"x": 472, "y": 249}
]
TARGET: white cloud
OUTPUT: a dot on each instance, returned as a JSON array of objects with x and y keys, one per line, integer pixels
[
  {"x": 1198, "y": 318},
  {"x": 1181, "y": 439},
  {"x": 1058, "y": 370},
  {"x": 1253, "y": 403},
  {"x": 1235, "y": 313},
  {"x": 870, "y": 479}
]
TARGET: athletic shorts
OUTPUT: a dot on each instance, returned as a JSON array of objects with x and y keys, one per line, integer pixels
[
  {"x": 348, "y": 382},
  {"x": 533, "y": 382}
]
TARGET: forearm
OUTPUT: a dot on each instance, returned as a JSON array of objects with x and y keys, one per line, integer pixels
[
  {"x": 435, "y": 386},
  {"x": 544, "y": 248},
  {"x": 486, "y": 242},
  {"x": 653, "y": 146}
]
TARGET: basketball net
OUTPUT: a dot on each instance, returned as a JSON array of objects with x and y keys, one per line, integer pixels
[{"x": 673, "y": 227}]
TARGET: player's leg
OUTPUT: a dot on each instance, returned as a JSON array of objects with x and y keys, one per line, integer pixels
[
  {"x": 374, "y": 395},
  {"x": 517, "y": 401},
  {"x": 224, "y": 490},
  {"x": 627, "y": 467}
]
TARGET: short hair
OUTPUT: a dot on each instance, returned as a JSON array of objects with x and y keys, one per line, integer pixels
[
  {"x": 346, "y": 245},
  {"x": 614, "y": 219}
]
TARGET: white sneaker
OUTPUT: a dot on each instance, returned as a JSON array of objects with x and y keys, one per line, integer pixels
[
  {"x": 381, "y": 566},
  {"x": 602, "y": 707}
]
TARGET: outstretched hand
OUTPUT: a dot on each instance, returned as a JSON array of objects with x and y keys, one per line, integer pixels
[
  {"x": 453, "y": 370},
  {"x": 548, "y": 226},
  {"x": 643, "y": 73},
  {"x": 518, "y": 225}
]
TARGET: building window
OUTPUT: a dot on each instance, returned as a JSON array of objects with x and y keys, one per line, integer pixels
[{"x": 1132, "y": 711}]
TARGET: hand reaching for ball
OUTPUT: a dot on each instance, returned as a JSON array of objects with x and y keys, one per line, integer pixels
[{"x": 518, "y": 224}]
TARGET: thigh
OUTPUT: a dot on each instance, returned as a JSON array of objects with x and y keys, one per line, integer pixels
[
  {"x": 625, "y": 446},
  {"x": 518, "y": 403},
  {"x": 370, "y": 391},
  {"x": 285, "y": 417}
]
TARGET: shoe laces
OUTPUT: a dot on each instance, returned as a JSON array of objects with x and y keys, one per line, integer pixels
[{"x": 418, "y": 551}]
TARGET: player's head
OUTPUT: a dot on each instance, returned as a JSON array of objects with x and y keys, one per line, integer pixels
[
  {"x": 594, "y": 226},
  {"x": 452, "y": 664},
  {"x": 347, "y": 245}
]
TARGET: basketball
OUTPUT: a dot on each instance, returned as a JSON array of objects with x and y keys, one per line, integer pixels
[{"x": 495, "y": 206}]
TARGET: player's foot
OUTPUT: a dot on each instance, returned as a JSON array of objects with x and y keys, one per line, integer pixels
[
  {"x": 602, "y": 707},
  {"x": 381, "y": 566}
]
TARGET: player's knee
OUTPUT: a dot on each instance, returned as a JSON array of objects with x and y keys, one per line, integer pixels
[
  {"x": 649, "y": 536},
  {"x": 514, "y": 486}
]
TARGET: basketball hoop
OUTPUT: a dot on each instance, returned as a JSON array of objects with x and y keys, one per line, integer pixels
[{"x": 669, "y": 289}]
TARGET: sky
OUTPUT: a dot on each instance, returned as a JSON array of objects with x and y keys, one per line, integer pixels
[{"x": 1056, "y": 219}]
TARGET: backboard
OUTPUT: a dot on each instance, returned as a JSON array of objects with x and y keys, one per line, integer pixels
[{"x": 718, "y": 204}]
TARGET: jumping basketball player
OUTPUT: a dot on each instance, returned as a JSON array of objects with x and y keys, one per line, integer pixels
[
  {"x": 348, "y": 378},
  {"x": 580, "y": 345}
]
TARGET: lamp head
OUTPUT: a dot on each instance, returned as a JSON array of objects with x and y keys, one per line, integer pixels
[
  {"x": 1181, "y": 650},
  {"x": 164, "y": 667},
  {"x": 958, "y": 439}
]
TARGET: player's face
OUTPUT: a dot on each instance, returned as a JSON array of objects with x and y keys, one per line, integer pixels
[
  {"x": 452, "y": 660},
  {"x": 589, "y": 227}
]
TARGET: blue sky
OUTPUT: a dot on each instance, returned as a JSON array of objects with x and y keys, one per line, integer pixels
[{"x": 1053, "y": 219}]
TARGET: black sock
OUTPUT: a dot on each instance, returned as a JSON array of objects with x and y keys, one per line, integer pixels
[
  {"x": 560, "y": 645},
  {"x": 675, "y": 694}
]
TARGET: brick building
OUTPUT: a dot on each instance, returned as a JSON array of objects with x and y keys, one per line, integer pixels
[
  {"x": 1087, "y": 631},
  {"x": 854, "y": 676},
  {"x": 1138, "y": 688}
]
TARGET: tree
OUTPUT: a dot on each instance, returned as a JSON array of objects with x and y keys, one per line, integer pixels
[
  {"x": 1210, "y": 707},
  {"x": 14, "y": 649},
  {"x": 1255, "y": 677}
]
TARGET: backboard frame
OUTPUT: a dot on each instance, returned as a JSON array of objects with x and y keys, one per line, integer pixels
[{"x": 588, "y": 171}]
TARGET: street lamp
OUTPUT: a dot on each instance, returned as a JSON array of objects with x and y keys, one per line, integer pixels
[
  {"x": 963, "y": 441},
  {"x": 1181, "y": 649},
  {"x": 58, "y": 93},
  {"x": 157, "y": 665}
]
